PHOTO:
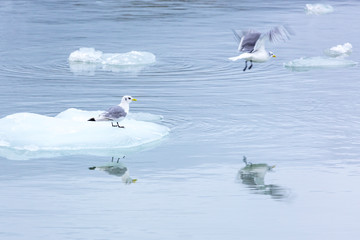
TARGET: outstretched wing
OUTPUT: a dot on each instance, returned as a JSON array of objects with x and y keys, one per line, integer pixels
[
  {"x": 279, "y": 33},
  {"x": 276, "y": 34},
  {"x": 246, "y": 40}
]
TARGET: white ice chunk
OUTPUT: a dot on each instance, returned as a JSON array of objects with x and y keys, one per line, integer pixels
[
  {"x": 86, "y": 55},
  {"x": 130, "y": 58},
  {"x": 29, "y": 135},
  {"x": 339, "y": 50},
  {"x": 88, "y": 60},
  {"x": 303, "y": 64},
  {"x": 145, "y": 117},
  {"x": 90, "y": 55},
  {"x": 317, "y": 9},
  {"x": 77, "y": 115}
]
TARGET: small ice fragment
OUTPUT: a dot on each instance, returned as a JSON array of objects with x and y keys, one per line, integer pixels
[
  {"x": 303, "y": 64},
  {"x": 90, "y": 55},
  {"x": 317, "y": 9},
  {"x": 86, "y": 61},
  {"x": 339, "y": 50},
  {"x": 87, "y": 55}
]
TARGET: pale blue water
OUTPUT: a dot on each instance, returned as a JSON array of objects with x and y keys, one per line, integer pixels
[{"x": 306, "y": 123}]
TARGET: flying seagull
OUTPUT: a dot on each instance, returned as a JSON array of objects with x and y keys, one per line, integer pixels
[
  {"x": 116, "y": 113},
  {"x": 252, "y": 44}
]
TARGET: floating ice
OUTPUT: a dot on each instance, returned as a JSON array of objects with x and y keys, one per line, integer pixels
[
  {"x": 339, "y": 50},
  {"x": 86, "y": 55},
  {"x": 303, "y": 64},
  {"x": 317, "y": 9},
  {"x": 90, "y": 55},
  {"x": 29, "y": 135},
  {"x": 87, "y": 60}
]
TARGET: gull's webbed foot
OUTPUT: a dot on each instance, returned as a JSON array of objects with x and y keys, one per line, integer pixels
[{"x": 245, "y": 66}]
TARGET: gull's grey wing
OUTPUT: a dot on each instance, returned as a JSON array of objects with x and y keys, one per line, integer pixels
[
  {"x": 246, "y": 40},
  {"x": 237, "y": 35},
  {"x": 279, "y": 33},
  {"x": 276, "y": 34},
  {"x": 115, "y": 112}
]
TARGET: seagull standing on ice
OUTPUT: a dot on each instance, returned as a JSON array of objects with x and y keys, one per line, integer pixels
[
  {"x": 116, "y": 113},
  {"x": 252, "y": 44}
]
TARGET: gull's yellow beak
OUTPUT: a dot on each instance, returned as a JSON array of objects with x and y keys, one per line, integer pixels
[
  {"x": 134, "y": 99},
  {"x": 273, "y": 55}
]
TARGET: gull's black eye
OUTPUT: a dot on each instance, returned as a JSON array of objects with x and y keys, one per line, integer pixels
[{"x": 129, "y": 98}]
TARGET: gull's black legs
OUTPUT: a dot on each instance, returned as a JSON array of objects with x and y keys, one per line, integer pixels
[
  {"x": 250, "y": 65},
  {"x": 116, "y": 125}
]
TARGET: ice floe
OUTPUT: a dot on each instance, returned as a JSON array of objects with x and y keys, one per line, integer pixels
[
  {"x": 303, "y": 64},
  {"x": 339, "y": 50},
  {"x": 317, "y": 9},
  {"x": 30, "y": 135},
  {"x": 88, "y": 60}
]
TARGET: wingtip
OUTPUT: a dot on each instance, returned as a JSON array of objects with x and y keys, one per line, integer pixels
[
  {"x": 280, "y": 33},
  {"x": 289, "y": 29}
]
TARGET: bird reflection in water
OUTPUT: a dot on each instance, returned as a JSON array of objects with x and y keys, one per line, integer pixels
[
  {"x": 116, "y": 168},
  {"x": 252, "y": 175}
]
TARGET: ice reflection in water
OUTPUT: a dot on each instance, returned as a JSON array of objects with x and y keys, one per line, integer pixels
[
  {"x": 116, "y": 168},
  {"x": 253, "y": 175}
]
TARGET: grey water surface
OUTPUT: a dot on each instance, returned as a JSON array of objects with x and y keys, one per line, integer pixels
[{"x": 306, "y": 123}]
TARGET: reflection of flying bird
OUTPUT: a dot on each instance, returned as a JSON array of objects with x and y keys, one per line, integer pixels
[
  {"x": 254, "y": 172},
  {"x": 116, "y": 113},
  {"x": 252, "y": 44},
  {"x": 252, "y": 175}
]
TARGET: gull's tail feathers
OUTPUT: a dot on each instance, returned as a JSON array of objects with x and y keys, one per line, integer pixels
[
  {"x": 236, "y": 58},
  {"x": 92, "y": 119},
  {"x": 241, "y": 56}
]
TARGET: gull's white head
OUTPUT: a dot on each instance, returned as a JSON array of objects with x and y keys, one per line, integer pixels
[
  {"x": 127, "y": 99},
  {"x": 271, "y": 54}
]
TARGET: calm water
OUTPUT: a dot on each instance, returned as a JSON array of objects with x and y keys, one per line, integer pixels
[{"x": 306, "y": 123}]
